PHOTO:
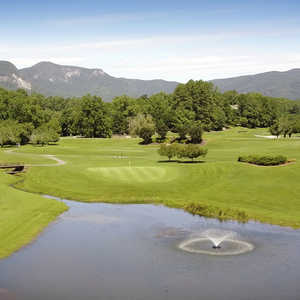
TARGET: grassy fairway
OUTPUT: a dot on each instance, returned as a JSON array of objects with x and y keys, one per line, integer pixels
[
  {"x": 22, "y": 216},
  {"x": 117, "y": 170}
]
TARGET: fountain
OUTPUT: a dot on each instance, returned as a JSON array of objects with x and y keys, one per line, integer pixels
[
  {"x": 216, "y": 242},
  {"x": 217, "y": 236}
]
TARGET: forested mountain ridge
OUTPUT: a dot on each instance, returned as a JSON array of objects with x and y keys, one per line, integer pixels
[
  {"x": 192, "y": 108},
  {"x": 272, "y": 84},
  {"x": 51, "y": 79}
]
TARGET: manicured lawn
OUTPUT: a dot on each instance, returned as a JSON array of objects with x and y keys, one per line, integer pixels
[
  {"x": 122, "y": 171},
  {"x": 22, "y": 215}
]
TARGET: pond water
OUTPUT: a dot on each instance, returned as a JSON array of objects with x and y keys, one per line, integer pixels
[{"x": 131, "y": 252}]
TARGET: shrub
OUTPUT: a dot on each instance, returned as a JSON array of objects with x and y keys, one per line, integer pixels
[
  {"x": 167, "y": 150},
  {"x": 264, "y": 160},
  {"x": 191, "y": 151},
  {"x": 216, "y": 212},
  {"x": 182, "y": 151}
]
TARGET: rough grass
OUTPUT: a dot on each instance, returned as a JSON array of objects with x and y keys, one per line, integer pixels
[
  {"x": 22, "y": 216},
  {"x": 93, "y": 173}
]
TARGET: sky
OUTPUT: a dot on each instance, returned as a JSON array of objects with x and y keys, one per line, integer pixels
[{"x": 171, "y": 40}]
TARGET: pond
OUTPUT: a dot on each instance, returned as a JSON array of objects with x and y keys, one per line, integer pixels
[{"x": 132, "y": 252}]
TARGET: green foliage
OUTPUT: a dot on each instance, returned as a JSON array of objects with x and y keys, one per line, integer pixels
[
  {"x": 196, "y": 132},
  {"x": 275, "y": 129},
  {"x": 168, "y": 150},
  {"x": 94, "y": 119},
  {"x": 161, "y": 129},
  {"x": 44, "y": 136},
  {"x": 123, "y": 108},
  {"x": 182, "y": 122},
  {"x": 146, "y": 133},
  {"x": 143, "y": 127},
  {"x": 47, "y": 133},
  {"x": 12, "y": 133},
  {"x": 202, "y": 99},
  {"x": 255, "y": 110},
  {"x": 159, "y": 106},
  {"x": 264, "y": 160},
  {"x": 211, "y": 211},
  {"x": 196, "y": 102},
  {"x": 191, "y": 151},
  {"x": 286, "y": 126}
]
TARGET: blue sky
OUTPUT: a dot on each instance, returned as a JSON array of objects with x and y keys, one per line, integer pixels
[{"x": 172, "y": 40}]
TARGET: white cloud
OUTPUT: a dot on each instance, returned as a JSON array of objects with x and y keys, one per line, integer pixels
[{"x": 170, "y": 57}]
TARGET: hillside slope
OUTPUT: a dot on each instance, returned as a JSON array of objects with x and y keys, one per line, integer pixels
[
  {"x": 273, "y": 84},
  {"x": 68, "y": 81}
]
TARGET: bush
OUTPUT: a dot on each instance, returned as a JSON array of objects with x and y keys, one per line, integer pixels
[
  {"x": 264, "y": 160},
  {"x": 216, "y": 212},
  {"x": 182, "y": 151},
  {"x": 167, "y": 150},
  {"x": 191, "y": 151}
]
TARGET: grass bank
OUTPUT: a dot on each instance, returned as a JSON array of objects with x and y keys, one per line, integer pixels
[{"x": 22, "y": 216}]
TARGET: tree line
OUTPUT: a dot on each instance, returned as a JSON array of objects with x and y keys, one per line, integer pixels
[{"x": 194, "y": 107}]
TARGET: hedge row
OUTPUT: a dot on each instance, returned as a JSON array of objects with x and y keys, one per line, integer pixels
[{"x": 264, "y": 160}]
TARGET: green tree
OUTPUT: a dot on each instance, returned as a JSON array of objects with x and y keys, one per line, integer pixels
[
  {"x": 143, "y": 127},
  {"x": 159, "y": 106},
  {"x": 275, "y": 129},
  {"x": 3, "y": 135},
  {"x": 196, "y": 132},
  {"x": 203, "y": 100},
  {"x": 146, "y": 134},
  {"x": 94, "y": 118},
  {"x": 285, "y": 126},
  {"x": 10, "y": 132},
  {"x": 123, "y": 108},
  {"x": 182, "y": 122},
  {"x": 168, "y": 150},
  {"x": 44, "y": 135},
  {"x": 191, "y": 151}
]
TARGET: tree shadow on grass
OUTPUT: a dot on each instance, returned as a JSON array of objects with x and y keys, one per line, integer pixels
[
  {"x": 45, "y": 145},
  {"x": 191, "y": 162},
  {"x": 9, "y": 147},
  {"x": 182, "y": 161}
]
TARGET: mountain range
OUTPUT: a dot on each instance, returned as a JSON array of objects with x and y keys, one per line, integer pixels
[
  {"x": 273, "y": 84},
  {"x": 51, "y": 79}
]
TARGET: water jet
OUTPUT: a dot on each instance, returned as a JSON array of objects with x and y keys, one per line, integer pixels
[{"x": 216, "y": 242}]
